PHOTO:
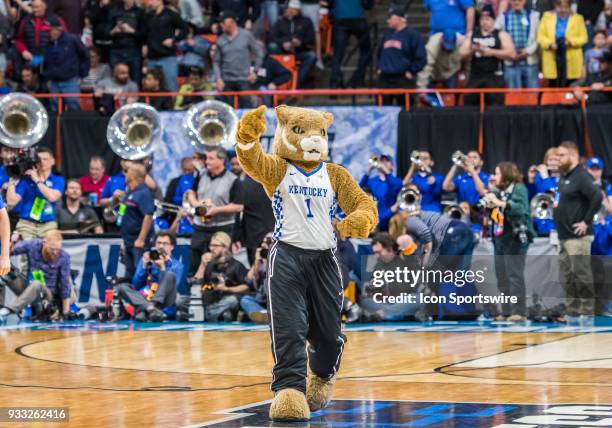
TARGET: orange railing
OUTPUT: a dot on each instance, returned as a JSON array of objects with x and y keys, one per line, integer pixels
[{"x": 545, "y": 96}]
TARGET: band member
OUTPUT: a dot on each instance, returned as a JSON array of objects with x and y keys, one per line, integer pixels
[
  {"x": 472, "y": 183},
  {"x": 544, "y": 178},
  {"x": 579, "y": 200},
  {"x": 384, "y": 187},
  {"x": 428, "y": 181}
]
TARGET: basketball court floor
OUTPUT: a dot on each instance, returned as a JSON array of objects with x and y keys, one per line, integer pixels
[{"x": 444, "y": 374}]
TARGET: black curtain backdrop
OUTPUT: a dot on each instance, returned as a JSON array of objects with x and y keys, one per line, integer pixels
[
  {"x": 440, "y": 131},
  {"x": 519, "y": 134},
  {"x": 83, "y": 135}
]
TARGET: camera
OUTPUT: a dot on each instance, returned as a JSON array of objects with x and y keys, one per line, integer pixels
[
  {"x": 201, "y": 211},
  {"x": 25, "y": 160},
  {"x": 155, "y": 254}
]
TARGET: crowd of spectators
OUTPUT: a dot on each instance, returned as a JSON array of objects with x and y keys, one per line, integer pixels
[{"x": 110, "y": 47}]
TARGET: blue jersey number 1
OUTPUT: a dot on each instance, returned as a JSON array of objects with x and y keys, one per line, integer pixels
[{"x": 310, "y": 215}]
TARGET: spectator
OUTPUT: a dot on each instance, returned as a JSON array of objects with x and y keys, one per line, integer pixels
[
  {"x": 561, "y": 35},
  {"x": 522, "y": 26},
  {"x": 196, "y": 82},
  {"x": 593, "y": 56},
  {"x": 254, "y": 304},
  {"x": 457, "y": 16},
  {"x": 109, "y": 90},
  {"x": 178, "y": 186},
  {"x": 401, "y": 55},
  {"x": 599, "y": 82},
  {"x": 127, "y": 25},
  {"x": 594, "y": 166},
  {"x": 512, "y": 232},
  {"x": 36, "y": 194},
  {"x": 191, "y": 13},
  {"x": 487, "y": 49},
  {"x": 294, "y": 34},
  {"x": 443, "y": 60},
  {"x": 579, "y": 200},
  {"x": 66, "y": 61},
  {"x": 162, "y": 30},
  {"x": 99, "y": 16},
  {"x": 5, "y": 28},
  {"x": 195, "y": 53},
  {"x": 224, "y": 280},
  {"x": 97, "y": 178},
  {"x": 18, "y": 9},
  {"x": 137, "y": 218},
  {"x": 97, "y": 71},
  {"x": 30, "y": 83},
  {"x": 270, "y": 76},
  {"x": 604, "y": 21},
  {"x": 7, "y": 155},
  {"x": 238, "y": 54},
  {"x": 350, "y": 20},
  {"x": 32, "y": 36},
  {"x": 74, "y": 217},
  {"x": 245, "y": 12},
  {"x": 48, "y": 275},
  {"x": 384, "y": 187},
  {"x": 471, "y": 184},
  {"x": 154, "y": 284},
  {"x": 154, "y": 82},
  {"x": 428, "y": 182},
  {"x": 311, "y": 9},
  {"x": 220, "y": 192}
]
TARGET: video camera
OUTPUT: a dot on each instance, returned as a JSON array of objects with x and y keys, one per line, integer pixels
[{"x": 25, "y": 160}]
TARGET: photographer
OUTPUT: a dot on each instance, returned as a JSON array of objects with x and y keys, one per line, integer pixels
[
  {"x": 36, "y": 193},
  {"x": 512, "y": 231},
  {"x": 48, "y": 277},
  {"x": 224, "y": 279},
  {"x": 254, "y": 305},
  {"x": 154, "y": 284}
]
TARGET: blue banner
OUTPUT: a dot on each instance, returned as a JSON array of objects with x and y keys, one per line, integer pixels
[{"x": 357, "y": 133}]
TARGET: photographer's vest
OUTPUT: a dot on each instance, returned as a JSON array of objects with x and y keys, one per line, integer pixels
[{"x": 218, "y": 191}]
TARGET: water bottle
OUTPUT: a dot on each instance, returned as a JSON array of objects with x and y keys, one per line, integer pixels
[{"x": 120, "y": 214}]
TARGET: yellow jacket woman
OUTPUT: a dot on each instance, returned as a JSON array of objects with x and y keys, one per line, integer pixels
[{"x": 558, "y": 26}]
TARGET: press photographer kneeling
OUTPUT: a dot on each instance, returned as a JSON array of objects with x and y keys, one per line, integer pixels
[
  {"x": 223, "y": 278},
  {"x": 153, "y": 286},
  {"x": 48, "y": 285}
]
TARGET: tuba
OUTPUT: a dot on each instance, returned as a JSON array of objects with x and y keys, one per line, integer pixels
[
  {"x": 542, "y": 206},
  {"x": 211, "y": 124},
  {"x": 23, "y": 120},
  {"x": 458, "y": 158},
  {"x": 134, "y": 131},
  {"x": 409, "y": 200}
]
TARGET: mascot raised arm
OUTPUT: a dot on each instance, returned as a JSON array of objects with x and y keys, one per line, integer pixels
[{"x": 306, "y": 291}]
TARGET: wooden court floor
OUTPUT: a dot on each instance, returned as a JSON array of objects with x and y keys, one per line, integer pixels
[{"x": 139, "y": 378}]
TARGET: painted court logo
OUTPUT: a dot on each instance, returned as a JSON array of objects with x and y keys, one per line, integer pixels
[{"x": 371, "y": 413}]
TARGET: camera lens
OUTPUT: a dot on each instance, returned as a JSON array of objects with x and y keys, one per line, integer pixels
[{"x": 154, "y": 254}]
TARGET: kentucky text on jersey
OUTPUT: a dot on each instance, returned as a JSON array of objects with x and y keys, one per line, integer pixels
[{"x": 308, "y": 191}]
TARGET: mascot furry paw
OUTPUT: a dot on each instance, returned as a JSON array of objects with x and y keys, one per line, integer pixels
[{"x": 305, "y": 283}]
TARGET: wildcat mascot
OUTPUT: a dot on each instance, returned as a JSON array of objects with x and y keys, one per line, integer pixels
[{"x": 306, "y": 292}]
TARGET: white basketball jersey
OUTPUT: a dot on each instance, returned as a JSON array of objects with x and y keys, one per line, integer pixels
[{"x": 304, "y": 205}]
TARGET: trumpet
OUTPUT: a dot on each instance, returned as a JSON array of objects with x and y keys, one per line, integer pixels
[
  {"x": 409, "y": 199},
  {"x": 453, "y": 211},
  {"x": 374, "y": 161},
  {"x": 415, "y": 158},
  {"x": 162, "y": 207},
  {"x": 459, "y": 158},
  {"x": 542, "y": 206}
]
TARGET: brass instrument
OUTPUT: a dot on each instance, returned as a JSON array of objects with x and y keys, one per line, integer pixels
[
  {"x": 542, "y": 206},
  {"x": 415, "y": 158},
  {"x": 409, "y": 199},
  {"x": 134, "y": 131},
  {"x": 459, "y": 158},
  {"x": 210, "y": 124},
  {"x": 23, "y": 120},
  {"x": 374, "y": 161},
  {"x": 453, "y": 211}
]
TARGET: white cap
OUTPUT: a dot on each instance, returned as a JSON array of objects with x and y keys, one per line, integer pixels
[{"x": 295, "y": 4}]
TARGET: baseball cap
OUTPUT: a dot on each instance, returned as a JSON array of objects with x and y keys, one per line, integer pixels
[
  {"x": 487, "y": 10},
  {"x": 294, "y": 4},
  {"x": 54, "y": 22},
  {"x": 386, "y": 158},
  {"x": 397, "y": 10},
  {"x": 449, "y": 39},
  {"x": 595, "y": 162}
]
